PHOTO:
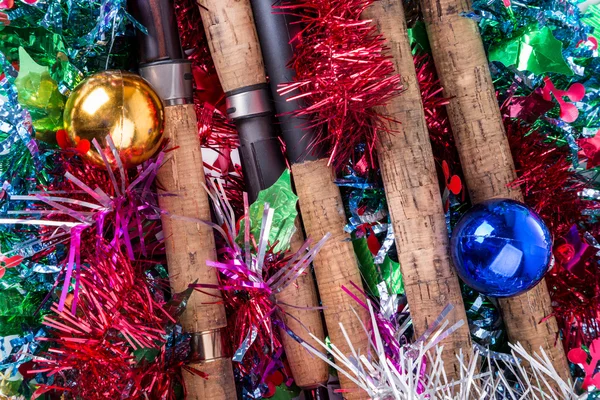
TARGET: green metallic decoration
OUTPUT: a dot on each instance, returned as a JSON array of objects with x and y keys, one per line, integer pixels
[
  {"x": 592, "y": 18},
  {"x": 39, "y": 94},
  {"x": 417, "y": 35},
  {"x": 373, "y": 274},
  {"x": 282, "y": 199},
  {"x": 536, "y": 51}
]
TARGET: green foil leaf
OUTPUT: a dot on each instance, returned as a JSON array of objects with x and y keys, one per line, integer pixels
[
  {"x": 74, "y": 38},
  {"x": 373, "y": 274},
  {"x": 417, "y": 35},
  {"x": 536, "y": 51},
  {"x": 146, "y": 354},
  {"x": 39, "y": 94},
  {"x": 286, "y": 393},
  {"x": 17, "y": 310},
  {"x": 282, "y": 199}
]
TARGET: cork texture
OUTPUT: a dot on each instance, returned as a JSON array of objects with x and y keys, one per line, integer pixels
[
  {"x": 413, "y": 195},
  {"x": 233, "y": 42},
  {"x": 484, "y": 152},
  {"x": 219, "y": 385},
  {"x": 189, "y": 245},
  {"x": 335, "y": 265},
  {"x": 308, "y": 370}
]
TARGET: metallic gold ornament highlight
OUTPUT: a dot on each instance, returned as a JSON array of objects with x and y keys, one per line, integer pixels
[{"x": 122, "y": 105}]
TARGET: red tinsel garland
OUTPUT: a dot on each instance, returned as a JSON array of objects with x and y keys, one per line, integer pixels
[
  {"x": 215, "y": 130},
  {"x": 93, "y": 353},
  {"x": 549, "y": 183},
  {"x": 436, "y": 117},
  {"x": 342, "y": 72}
]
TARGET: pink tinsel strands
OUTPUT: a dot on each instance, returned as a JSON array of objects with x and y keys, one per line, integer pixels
[
  {"x": 129, "y": 201},
  {"x": 103, "y": 351},
  {"x": 251, "y": 309},
  {"x": 89, "y": 205},
  {"x": 250, "y": 276},
  {"x": 342, "y": 72},
  {"x": 137, "y": 205}
]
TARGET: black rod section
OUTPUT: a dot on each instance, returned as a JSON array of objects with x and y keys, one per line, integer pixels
[
  {"x": 162, "y": 40},
  {"x": 251, "y": 110},
  {"x": 275, "y": 31},
  {"x": 161, "y": 59}
]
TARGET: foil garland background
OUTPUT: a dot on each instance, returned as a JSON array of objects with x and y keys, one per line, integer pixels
[{"x": 557, "y": 157}]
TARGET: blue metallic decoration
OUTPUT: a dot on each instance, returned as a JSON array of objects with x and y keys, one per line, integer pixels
[{"x": 501, "y": 248}]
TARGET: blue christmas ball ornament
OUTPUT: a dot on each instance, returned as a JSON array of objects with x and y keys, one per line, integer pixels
[{"x": 501, "y": 248}]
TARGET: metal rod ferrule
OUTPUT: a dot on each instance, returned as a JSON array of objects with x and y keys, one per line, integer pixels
[
  {"x": 210, "y": 345},
  {"x": 172, "y": 80},
  {"x": 248, "y": 102}
]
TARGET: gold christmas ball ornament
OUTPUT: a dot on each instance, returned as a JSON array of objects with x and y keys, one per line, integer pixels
[{"x": 122, "y": 105}]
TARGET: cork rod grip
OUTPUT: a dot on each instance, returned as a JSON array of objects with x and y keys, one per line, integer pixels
[
  {"x": 308, "y": 371},
  {"x": 335, "y": 265},
  {"x": 484, "y": 153},
  {"x": 219, "y": 385},
  {"x": 413, "y": 194},
  {"x": 229, "y": 27},
  {"x": 189, "y": 245}
]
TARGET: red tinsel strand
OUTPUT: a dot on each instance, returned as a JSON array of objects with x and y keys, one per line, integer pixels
[
  {"x": 232, "y": 181},
  {"x": 549, "y": 184},
  {"x": 576, "y": 303},
  {"x": 215, "y": 130},
  {"x": 342, "y": 73},
  {"x": 552, "y": 187},
  {"x": 91, "y": 354},
  {"x": 192, "y": 37},
  {"x": 253, "y": 307}
]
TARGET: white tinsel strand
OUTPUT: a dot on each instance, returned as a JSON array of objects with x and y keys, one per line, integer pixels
[{"x": 533, "y": 376}]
